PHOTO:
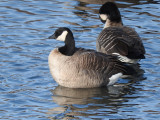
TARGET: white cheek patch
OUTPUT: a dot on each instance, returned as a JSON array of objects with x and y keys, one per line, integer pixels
[
  {"x": 114, "y": 78},
  {"x": 103, "y": 16},
  {"x": 62, "y": 37}
]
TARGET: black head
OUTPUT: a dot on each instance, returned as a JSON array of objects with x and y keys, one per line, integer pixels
[
  {"x": 65, "y": 34},
  {"x": 61, "y": 34},
  {"x": 110, "y": 11}
]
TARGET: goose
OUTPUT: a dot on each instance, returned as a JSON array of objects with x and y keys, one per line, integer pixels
[
  {"x": 82, "y": 68},
  {"x": 117, "y": 39}
]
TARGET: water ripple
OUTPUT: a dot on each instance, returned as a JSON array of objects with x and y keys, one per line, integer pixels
[{"x": 26, "y": 86}]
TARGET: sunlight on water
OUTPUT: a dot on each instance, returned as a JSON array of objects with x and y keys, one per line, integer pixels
[{"x": 29, "y": 92}]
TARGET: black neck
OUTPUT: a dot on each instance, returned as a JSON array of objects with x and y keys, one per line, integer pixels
[{"x": 69, "y": 47}]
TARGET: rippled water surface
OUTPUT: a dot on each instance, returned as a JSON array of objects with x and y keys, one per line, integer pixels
[{"x": 27, "y": 90}]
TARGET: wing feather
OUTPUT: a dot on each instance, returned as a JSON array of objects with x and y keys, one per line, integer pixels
[
  {"x": 122, "y": 40},
  {"x": 100, "y": 63}
]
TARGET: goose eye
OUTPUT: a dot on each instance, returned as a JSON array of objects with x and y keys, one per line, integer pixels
[{"x": 58, "y": 33}]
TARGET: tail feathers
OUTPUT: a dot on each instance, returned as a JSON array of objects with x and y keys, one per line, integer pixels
[
  {"x": 129, "y": 70},
  {"x": 136, "y": 56}
]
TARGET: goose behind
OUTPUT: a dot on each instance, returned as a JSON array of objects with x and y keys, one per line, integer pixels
[
  {"x": 82, "y": 68},
  {"x": 117, "y": 39}
]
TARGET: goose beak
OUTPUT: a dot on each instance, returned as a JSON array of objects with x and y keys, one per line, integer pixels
[{"x": 52, "y": 37}]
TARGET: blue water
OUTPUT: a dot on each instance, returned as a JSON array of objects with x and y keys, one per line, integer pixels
[{"x": 27, "y": 90}]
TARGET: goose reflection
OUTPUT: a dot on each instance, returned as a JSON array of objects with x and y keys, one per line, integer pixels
[
  {"x": 65, "y": 96},
  {"x": 84, "y": 102}
]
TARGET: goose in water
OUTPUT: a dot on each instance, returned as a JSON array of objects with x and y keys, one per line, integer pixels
[
  {"x": 82, "y": 68},
  {"x": 117, "y": 39}
]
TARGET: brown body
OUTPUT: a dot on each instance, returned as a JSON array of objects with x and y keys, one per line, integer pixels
[{"x": 84, "y": 69}]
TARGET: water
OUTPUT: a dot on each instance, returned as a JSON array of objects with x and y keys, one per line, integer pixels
[{"x": 27, "y": 90}]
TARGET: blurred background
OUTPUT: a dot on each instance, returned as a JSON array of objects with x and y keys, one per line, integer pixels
[{"x": 27, "y": 90}]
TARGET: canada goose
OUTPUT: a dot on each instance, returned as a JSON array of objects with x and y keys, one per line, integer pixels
[
  {"x": 117, "y": 39},
  {"x": 82, "y": 68}
]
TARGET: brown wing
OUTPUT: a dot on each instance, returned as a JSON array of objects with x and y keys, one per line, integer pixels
[
  {"x": 100, "y": 63},
  {"x": 122, "y": 40}
]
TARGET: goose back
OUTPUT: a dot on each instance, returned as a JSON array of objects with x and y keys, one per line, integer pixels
[{"x": 121, "y": 40}]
